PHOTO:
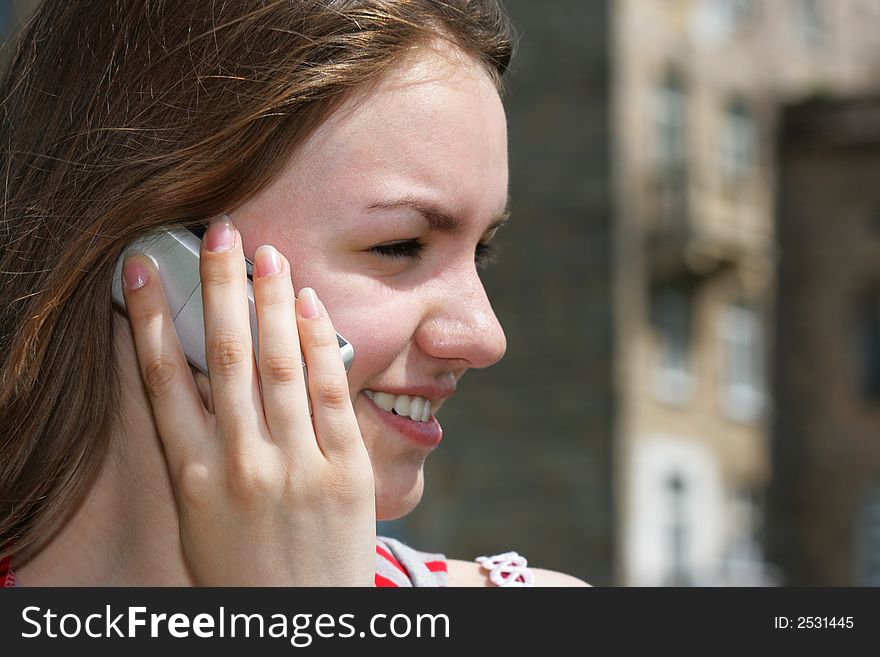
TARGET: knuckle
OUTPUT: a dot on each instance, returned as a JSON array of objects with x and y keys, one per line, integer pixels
[
  {"x": 227, "y": 354},
  {"x": 329, "y": 391},
  {"x": 217, "y": 275},
  {"x": 195, "y": 485},
  {"x": 159, "y": 375},
  {"x": 272, "y": 299},
  {"x": 142, "y": 308},
  {"x": 248, "y": 482},
  {"x": 350, "y": 488},
  {"x": 318, "y": 339},
  {"x": 282, "y": 367}
]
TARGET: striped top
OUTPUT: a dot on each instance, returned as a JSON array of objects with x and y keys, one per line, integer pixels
[
  {"x": 7, "y": 577},
  {"x": 397, "y": 565}
]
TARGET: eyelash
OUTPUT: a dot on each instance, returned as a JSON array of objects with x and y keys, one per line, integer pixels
[{"x": 485, "y": 255}]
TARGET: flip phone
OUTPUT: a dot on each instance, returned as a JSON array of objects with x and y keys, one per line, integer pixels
[{"x": 175, "y": 252}]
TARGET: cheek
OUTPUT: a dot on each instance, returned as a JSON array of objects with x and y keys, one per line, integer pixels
[
  {"x": 378, "y": 334},
  {"x": 378, "y": 322}
]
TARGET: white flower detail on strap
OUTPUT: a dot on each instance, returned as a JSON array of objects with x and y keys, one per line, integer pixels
[{"x": 508, "y": 569}]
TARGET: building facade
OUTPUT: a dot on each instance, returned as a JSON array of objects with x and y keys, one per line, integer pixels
[
  {"x": 824, "y": 502},
  {"x": 697, "y": 89}
]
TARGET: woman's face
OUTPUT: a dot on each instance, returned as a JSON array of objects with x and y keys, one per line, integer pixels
[{"x": 383, "y": 212}]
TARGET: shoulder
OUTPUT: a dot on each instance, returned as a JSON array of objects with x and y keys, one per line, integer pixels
[{"x": 469, "y": 574}]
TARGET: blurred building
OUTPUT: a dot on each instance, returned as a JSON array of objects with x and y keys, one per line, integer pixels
[
  {"x": 824, "y": 504},
  {"x": 697, "y": 87}
]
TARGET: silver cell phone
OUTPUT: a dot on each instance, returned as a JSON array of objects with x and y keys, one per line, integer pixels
[{"x": 175, "y": 251}]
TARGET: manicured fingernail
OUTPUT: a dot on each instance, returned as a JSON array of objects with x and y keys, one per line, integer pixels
[
  {"x": 267, "y": 261},
  {"x": 308, "y": 304},
  {"x": 134, "y": 272},
  {"x": 220, "y": 236}
]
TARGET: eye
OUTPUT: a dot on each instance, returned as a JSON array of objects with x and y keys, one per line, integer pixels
[
  {"x": 485, "y": 255},
  {"x": 399, "y": 249}
]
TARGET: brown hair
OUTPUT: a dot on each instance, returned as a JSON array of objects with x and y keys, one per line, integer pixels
[{"x": 121, "y": 116}]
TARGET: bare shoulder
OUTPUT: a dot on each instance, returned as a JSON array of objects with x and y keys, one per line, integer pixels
[
  {"x": 555, "y": 578},
  {"x": 469, "y": 573}
]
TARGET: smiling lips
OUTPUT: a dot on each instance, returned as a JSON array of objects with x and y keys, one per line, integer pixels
[
  {"x": 409, "y": 415},
  {"x": 417, "y": 409}
]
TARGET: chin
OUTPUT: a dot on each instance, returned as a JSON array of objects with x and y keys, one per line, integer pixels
[{"x": 398, "y": 494}]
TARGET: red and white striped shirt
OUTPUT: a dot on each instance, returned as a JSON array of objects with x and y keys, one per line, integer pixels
[
  {"x": 399, "y": 565},
  {"x": 7, "y": 577}
]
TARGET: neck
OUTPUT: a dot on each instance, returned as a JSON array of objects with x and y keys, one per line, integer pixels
[{"x": 124, "y": 531}]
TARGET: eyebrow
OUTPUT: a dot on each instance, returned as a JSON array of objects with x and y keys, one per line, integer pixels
[{"x": 438, "y": 219}]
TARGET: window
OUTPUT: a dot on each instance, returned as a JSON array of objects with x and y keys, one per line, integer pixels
[
  {"x": 738, "y": 13},
  {"x": 672, "y": 323},
  {"x": 737, "y": 142},
  {"x": 716, "y": 21},
  {"x": 744, "y": 563},
  {"x": 669, "y": 118},
  {"x": 810, "y": 23},
  {"x": 678, "y": 532},
  {"x": 675, "y": 530},
  {"x": 742, "y": 349},
  {"x": 670, "y": 182}
]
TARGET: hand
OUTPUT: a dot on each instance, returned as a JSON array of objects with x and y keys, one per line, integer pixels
[{"x": 266, "y": 494}]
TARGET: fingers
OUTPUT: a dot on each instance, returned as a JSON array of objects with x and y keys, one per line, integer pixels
[
  {"x": 334, "y": 420},
  {"x": 286, "y": 337},
  {"x": 268, "y": 400},
  {"x": 279, "y": 360},
  {"x": 177, "y": 407},
  {"x": 228, "y": 344}
]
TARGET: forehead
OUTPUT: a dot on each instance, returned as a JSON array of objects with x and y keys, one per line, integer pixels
[{"x": 434, "y": 125}]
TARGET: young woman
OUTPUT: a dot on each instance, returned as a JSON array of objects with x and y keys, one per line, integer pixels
[{"x": 355, "y": 150}]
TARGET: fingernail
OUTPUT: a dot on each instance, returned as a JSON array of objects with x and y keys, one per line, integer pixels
[
  {"x": 220, "y": 236},
  {"x": 267, "y": 261},
  {"x": 134, "y": 272},
  {"x": 308, "y": 304}
]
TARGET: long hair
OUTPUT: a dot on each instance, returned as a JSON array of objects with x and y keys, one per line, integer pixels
[{"x": 118, "y": 117}]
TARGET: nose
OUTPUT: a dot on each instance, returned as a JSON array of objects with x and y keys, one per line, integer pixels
[{"x": 461, "y": 325}]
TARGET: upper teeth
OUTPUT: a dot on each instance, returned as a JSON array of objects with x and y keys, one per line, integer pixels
[{"x": 411, "y": 406}]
